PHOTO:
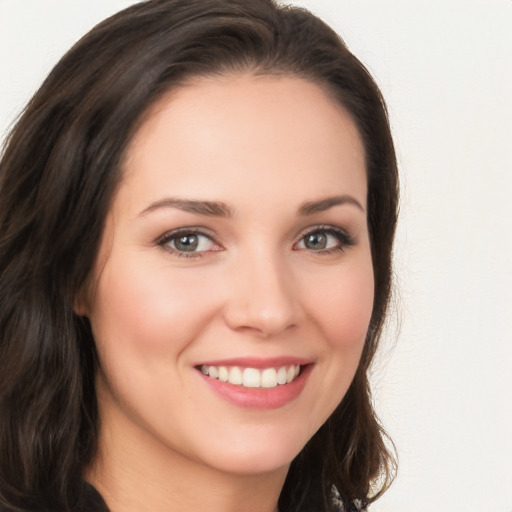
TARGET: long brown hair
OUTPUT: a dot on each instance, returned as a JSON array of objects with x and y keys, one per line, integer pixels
[{"x": 59, "y": 171}]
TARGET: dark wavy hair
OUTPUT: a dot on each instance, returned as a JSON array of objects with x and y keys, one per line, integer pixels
[{"x": 59, "y": 170}]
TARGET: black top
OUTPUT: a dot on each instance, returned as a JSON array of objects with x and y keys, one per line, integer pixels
[{"x": 95, "y": 503}]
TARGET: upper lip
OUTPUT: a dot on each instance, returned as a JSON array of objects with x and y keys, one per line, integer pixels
[{"x": 257, "y": 362}]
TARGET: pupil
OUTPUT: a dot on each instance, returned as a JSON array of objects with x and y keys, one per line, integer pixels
[
  {"x": 316, "y": 241},
  {"x": 187, "y": 243}
]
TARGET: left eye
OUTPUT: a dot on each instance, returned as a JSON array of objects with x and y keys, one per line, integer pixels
[
  {"x": 189, "y": 242},
  {"x": 323, "y": 240}
]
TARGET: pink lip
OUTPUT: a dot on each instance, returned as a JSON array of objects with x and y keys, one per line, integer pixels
[
  {"x": 258, "y": 398},
  {"x": 257, "y": 362}
]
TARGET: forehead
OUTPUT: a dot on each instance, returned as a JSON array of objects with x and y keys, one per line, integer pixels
[{"x": 239, "y": 133}]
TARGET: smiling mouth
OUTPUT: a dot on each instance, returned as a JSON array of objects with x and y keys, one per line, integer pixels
[{"x": 253, "y": 377}]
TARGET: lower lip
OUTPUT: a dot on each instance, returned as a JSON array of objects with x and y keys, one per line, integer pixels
[{"x": 260, "y": 398}]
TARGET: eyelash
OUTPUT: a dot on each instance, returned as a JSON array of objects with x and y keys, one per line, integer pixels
[
  {"x": 164, "y": 240},
  {"x": 345, "y": 240}
]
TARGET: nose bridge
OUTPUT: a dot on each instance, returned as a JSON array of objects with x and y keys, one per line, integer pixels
[{"x": 261, "y": 299}]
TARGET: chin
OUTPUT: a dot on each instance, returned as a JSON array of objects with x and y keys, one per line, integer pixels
[
  {"x": 253, "y": 465},
  {"x": 257, "y": 456}
]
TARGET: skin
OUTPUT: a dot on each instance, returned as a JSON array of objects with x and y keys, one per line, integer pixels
[{"x": 263, "y": 147}]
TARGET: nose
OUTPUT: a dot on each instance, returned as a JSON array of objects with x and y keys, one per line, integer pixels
[{"x": 261, "y": 299}]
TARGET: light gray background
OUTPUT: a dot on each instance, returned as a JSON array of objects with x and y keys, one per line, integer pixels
[{"x": 444, "y": 389}]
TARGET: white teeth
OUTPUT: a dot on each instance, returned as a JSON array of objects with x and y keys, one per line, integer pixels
[
  {"x": 235, "y": 376},
  {"x": 252, "y": 377},
  {"x": 281, "y": 375},
  {"x": 269, "y": 378},
  {"x": 223, "y": 374}
]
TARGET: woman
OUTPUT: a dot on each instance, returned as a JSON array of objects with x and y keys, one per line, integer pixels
[{"x": 196, "y": 220}]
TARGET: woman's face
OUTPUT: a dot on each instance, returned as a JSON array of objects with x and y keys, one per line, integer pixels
[{"x": 236, "y": 254}]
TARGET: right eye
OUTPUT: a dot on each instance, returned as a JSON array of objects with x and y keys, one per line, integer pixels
[{"x": 188, "y": 243}]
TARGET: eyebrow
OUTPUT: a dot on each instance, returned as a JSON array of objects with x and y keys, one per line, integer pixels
[
  {"x": 208, "y": 208},
  {"x": 313, "y": 207},
  {"x": 219, "y": 209}
]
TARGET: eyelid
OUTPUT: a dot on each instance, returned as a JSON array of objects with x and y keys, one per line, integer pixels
[
  {"x": 346, "y": 239},
  {"x": 164, "y": 239},
  {"x": 193, "y": 230}
]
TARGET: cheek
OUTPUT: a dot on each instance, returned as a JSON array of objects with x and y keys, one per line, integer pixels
[
  {"x": 340, "y": 314},
  {"x": 344, "y": 307},
  {"x": 147, "y": 309},
  {"x": 145, "y": 317}
]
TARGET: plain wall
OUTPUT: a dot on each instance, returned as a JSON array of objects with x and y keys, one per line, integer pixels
[{"x": 443, "y": 386}]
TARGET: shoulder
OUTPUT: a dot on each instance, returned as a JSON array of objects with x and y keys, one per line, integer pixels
[
  {"x": 338, "y": 505},
  {"x": 91, "y": 502}
]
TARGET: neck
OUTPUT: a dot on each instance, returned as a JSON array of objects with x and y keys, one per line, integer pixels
[{"x": 137, "y": 474}]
